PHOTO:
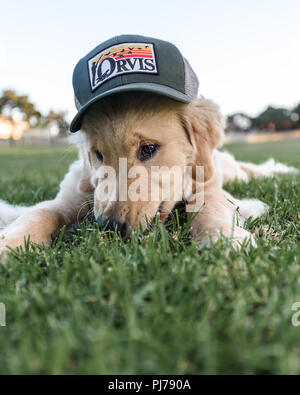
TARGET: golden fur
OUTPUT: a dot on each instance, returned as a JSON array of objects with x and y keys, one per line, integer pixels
[{"x": 187, "y": 135}]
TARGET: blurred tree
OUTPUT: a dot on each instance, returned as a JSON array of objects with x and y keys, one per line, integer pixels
[
  {"x": 295, "y": 116},
  {"x": 28, "y": 108},
  {"x": 58, "y": 118},
  {"x": 239, "y": 122},
  {"x": 16, "y": 107},
  {"x": 273, "y": 119},
  {"x": 270, "y": 119},
  {"x": 11, "y": 104},
  {"x": 8, "y": 102},
  {"x": 297, "y": 109}
]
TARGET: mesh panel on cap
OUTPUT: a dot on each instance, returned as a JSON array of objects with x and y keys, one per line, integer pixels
[
  {"x": 77, "y": 103},
  {"x": 191, "y": 81}
]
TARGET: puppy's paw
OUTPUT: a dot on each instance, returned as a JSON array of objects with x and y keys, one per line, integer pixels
[
  {"x": 239, "y": 238},
  {"x": 6, "y": 244},
  {"x": 3, "y": 254},
  {"x": 3, "y": 249},
  {"x": 242, "y": 239}
]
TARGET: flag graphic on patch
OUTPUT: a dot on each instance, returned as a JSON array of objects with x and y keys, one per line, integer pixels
[{"x": 121, "y": 59}]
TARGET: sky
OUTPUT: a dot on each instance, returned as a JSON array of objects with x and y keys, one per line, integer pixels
[{"x": 246, "y": 53}]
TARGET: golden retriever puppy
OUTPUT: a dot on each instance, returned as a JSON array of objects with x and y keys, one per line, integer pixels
[{"x": 144, "y": 131}]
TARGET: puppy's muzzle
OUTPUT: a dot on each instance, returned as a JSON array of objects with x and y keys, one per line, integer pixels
[{"x": 114, "y": 226}]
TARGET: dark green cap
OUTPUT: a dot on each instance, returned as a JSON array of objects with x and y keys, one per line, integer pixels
[{"x": 132, "y": 63}]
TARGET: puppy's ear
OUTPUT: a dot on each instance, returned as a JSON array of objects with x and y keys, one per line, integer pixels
[{"x": 204, "y": 126}]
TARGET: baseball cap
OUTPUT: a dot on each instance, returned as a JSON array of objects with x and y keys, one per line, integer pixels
[{"x": 129, "y": 63}]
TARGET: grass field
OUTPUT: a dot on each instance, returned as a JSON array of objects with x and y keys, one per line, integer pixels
[{"x": 155, "y": 304}]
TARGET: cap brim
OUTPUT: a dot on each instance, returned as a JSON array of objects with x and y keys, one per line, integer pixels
[{"x": 138, "y": 87}]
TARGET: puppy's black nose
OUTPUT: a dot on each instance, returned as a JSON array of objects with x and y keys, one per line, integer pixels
[{"x": 113, "y": 226}]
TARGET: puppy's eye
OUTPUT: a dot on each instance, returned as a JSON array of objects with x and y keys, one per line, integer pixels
[
  {"x": 99, "y": 156},
  {"x": 147, "y": 151}
]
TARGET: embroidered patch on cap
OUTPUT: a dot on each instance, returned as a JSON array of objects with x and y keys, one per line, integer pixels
[{"x": 121, "y": 59}]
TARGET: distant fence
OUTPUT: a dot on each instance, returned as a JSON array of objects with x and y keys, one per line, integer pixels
[
  {"x": 32, "y": 140},
  {"x": 259, "y": 137}
]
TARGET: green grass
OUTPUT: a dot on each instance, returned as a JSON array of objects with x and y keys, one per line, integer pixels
[{"x": 156, "y": 304}]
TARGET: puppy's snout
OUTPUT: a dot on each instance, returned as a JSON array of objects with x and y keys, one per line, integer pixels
[{"x": 114, "y": 226}]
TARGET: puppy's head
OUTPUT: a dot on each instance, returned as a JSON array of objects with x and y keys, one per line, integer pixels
[{"x": 136, "y": 148}]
